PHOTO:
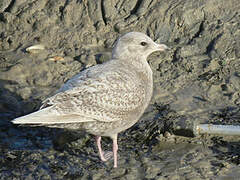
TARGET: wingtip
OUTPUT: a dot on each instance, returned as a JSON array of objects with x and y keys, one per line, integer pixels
[
  {"x": 21, "y": 120},
  {"x": 16, "y": 121}
]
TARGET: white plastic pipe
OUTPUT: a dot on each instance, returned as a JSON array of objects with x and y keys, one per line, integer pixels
[{"x": 217, "y": 129}]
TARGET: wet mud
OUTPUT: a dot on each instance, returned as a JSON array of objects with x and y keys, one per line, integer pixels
[{"x": 197, "y": 81}]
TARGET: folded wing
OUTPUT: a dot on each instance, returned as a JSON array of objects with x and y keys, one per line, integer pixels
[{"x": 100, "y": 95}]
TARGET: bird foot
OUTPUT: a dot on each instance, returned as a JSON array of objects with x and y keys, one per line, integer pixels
[
  {"x": 108, "y": 155},
  {"x": 105, "y": 156}
]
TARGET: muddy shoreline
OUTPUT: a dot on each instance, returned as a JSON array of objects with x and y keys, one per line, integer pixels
[{"x": 198, "y": 80}]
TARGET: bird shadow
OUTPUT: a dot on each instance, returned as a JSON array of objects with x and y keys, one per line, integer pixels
[{"x": 20, "y": 137}]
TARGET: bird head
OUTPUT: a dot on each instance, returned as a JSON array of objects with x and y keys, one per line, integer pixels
[{"x": 135, "y": 45}]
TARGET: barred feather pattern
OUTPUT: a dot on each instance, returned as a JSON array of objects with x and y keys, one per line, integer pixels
[{"x": 104, "y": 95}]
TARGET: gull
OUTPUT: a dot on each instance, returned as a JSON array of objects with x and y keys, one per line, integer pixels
[{"x": 105, "y": 99}]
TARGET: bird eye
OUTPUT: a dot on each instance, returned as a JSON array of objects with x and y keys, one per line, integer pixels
[{"x": 143, "y": 43}]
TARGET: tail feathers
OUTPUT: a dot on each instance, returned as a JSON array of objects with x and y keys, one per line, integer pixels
[{"x": 44, "y": 116}]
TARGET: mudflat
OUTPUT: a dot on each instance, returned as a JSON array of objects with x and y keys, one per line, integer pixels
[{"x": 198, "y": 80}]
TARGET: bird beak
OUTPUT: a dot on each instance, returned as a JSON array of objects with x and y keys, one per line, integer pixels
[{"x": 162, "y": 47}]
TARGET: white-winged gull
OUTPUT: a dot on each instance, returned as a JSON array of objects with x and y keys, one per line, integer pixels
[{"x": 104, "y": 99}]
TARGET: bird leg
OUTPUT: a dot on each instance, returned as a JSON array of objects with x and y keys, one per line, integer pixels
[
  {"x": 105, "y": 156},
  {"x": 115, "y": 149},
  {"x": 98, "y": 141}
]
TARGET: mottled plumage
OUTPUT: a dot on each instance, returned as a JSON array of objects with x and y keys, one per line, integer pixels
[{"x": 105, "y": 99}]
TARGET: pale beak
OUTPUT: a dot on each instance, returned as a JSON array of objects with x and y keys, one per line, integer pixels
[{"x": 162, "y": 47}]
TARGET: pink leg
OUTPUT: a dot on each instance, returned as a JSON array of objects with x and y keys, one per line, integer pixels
[
  {"x": 115, "y": 149},
  {"x": 98, "y": 141}
]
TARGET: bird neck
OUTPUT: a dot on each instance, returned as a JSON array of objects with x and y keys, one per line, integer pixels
[
  {"x": 135, "y": 61},
  {"x": 141, "y": 66}
]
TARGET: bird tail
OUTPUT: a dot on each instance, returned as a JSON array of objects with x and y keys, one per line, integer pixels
[
  {"x": 48, "y": 117},
  {"x": 42, "y": 116}
]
